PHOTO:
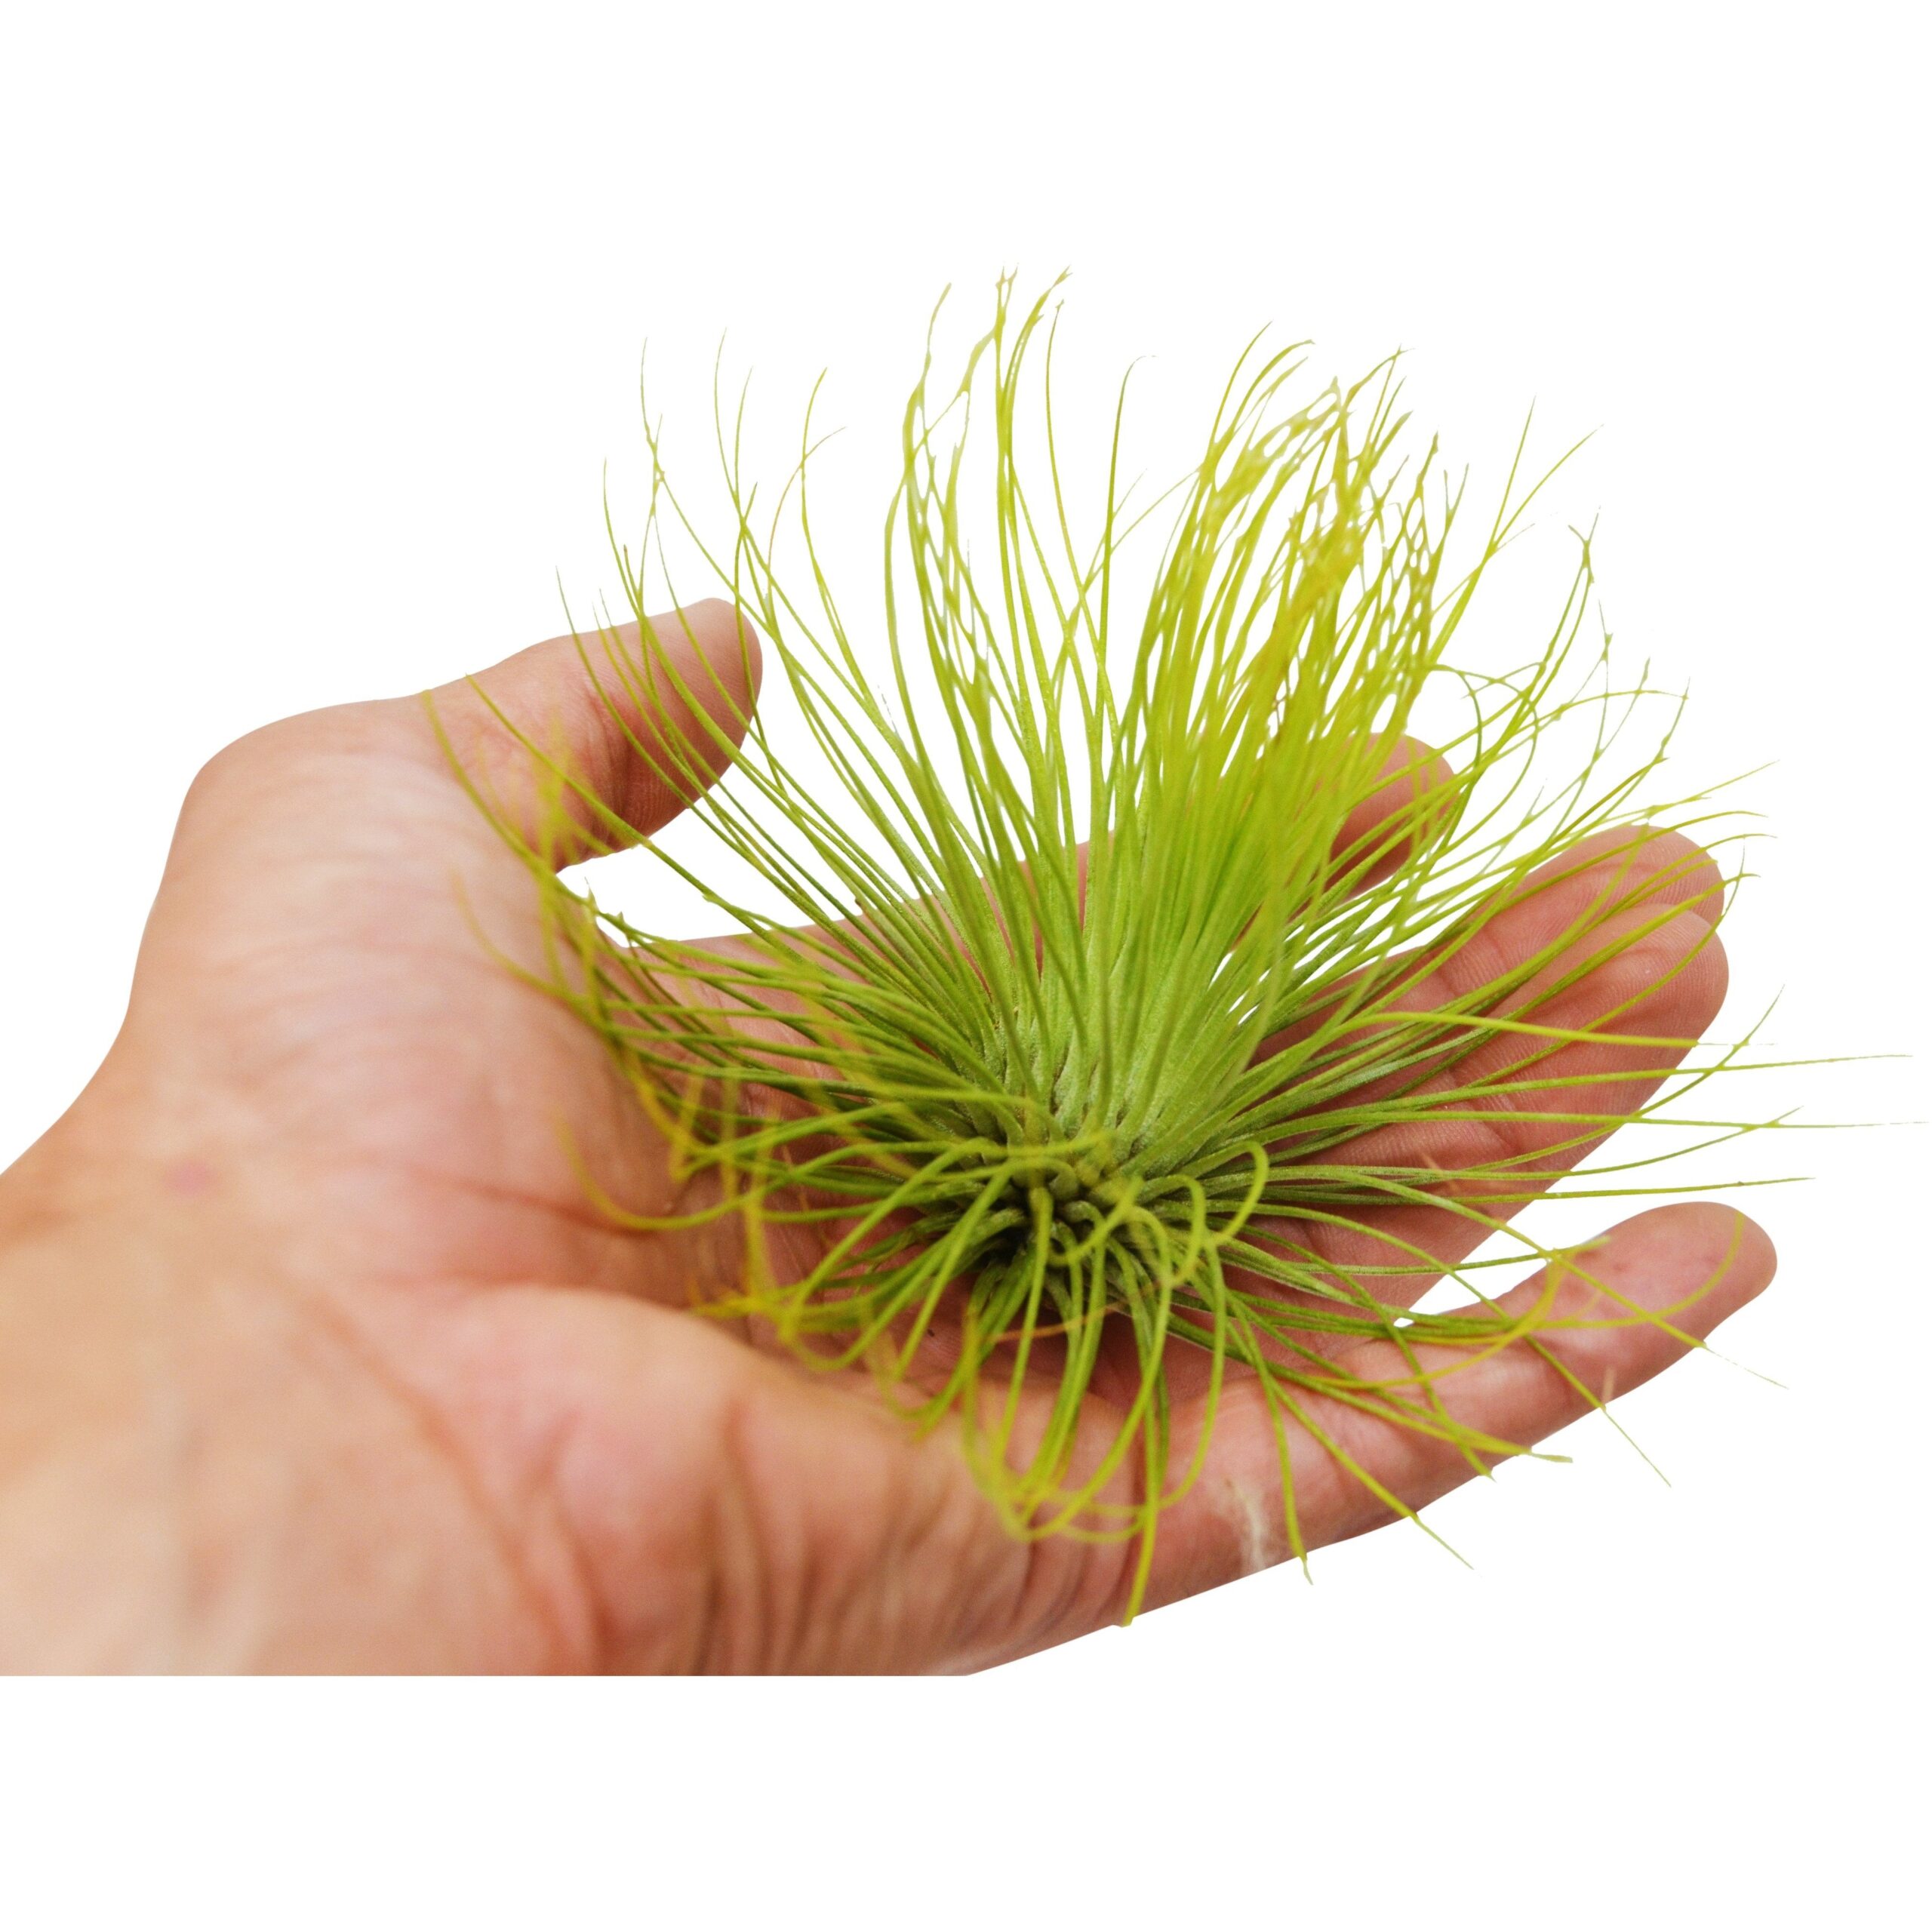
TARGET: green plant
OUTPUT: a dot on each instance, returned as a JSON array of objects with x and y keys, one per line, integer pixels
[{"x": 1132, "y": 952}]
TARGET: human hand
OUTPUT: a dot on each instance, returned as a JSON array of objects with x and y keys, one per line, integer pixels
[{"x": 315, "y": 1353}]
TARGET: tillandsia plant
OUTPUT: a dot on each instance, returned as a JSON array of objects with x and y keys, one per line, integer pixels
[{"x": 1136, "y": 1013}]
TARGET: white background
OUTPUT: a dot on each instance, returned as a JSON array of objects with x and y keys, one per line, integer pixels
[{"x": 317, "y": 327}]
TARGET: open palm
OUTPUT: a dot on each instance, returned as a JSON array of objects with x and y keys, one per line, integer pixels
[{"x": 485, "y": 1431}]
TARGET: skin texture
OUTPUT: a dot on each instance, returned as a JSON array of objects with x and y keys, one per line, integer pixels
[{"x": 314, "y": 1355}]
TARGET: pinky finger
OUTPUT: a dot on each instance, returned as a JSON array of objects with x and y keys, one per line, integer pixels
[{"x": 1639, "y": 1300}]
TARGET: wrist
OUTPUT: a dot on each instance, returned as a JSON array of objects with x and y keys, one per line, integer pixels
[
  {"x": 119, "y": 1355},
  {"x": 92, "y": 1563}
]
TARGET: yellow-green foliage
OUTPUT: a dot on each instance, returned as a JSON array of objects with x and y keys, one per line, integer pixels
[{"x": 1096, "y": 1015}]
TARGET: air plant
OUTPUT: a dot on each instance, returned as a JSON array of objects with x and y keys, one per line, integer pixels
[{"x": 1131, "y": 960}]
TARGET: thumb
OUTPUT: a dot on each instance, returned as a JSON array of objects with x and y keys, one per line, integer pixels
[
  {"x": 578, "y": 746},
  {"x": 584, "y": 744}
]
